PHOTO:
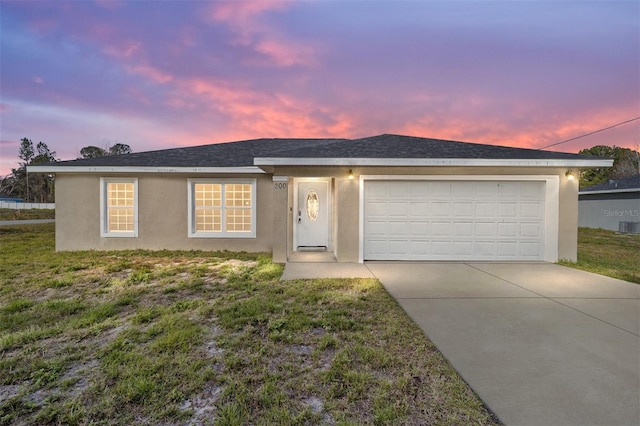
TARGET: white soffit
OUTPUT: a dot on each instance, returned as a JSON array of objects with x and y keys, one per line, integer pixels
[
  {"x": 134, "y": 169},
  {"x": 407, "y": 162}
]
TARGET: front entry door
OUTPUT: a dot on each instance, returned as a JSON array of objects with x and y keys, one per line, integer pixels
[{"x": 312, "y": 215}]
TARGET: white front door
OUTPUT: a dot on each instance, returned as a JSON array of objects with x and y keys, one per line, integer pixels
[{"x": 311, "y": 218}]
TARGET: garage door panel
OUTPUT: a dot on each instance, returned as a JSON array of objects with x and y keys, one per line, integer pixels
[
  {"x": 377, "y": 209},
  {"x": 377, "y": 228},
  {"x": 530, "y": 249},
  {"x": 419, "y": 228},
  {"x": 486, "y": 190},
  {"x": 439, "y": 190},
  {"x": 463, "y": 209},
  {"x": 507, "y": 229},
  {"x": 485, "y": 209},
  {"x": 440, "y": 229},
  {"x": 507, "y": 249},
  {"x": 397, "y": 228},
  {"x": 397, "y": 209},
  {"x": 418, "y": 190},
  {"x": 419, "y": 209},
  {"x": 441, "y": 248},
  {"x": 530, "y": 230},
  {"x": 417, "y": 248},
  {"x": 507, "y": 209},
  {"x": 485, "y": 249},
  {"x": 441, "y": 209},
  {"x": 531, "y": 191},
  {"x": 453, "y": 220},
  {"x": 462, "y": 248},
  {"x": 485, "y": 229},
  {"x": 398, "y": 247},
  {"x": 530, "y": 209},
  {"x": 463, "y": 229},
  {"x": 508, "y": 190},
  {"x": 398, "y": 190},
  {"x": 462, "y": 190}
]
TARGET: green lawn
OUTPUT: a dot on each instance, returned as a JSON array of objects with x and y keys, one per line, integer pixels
[
  {"x": 608, "y": 253},
  {"x": 11, "y": 214},
  {"x": 195, "y": 338}
]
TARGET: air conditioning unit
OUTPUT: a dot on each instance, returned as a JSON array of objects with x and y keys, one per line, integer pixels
[{"x": 629, "y": 227}]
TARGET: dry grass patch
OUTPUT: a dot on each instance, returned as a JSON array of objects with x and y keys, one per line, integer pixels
[
  {"x": 201, "y": 338},
  {"x": 27, "y": 214}
]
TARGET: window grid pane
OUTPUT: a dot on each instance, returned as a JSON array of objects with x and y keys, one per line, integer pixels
[
  {"x": 222, "y": 207},
  {"x": 208, "y": 220},
  {"x": 120, "y": 202},
  {"x": 208, "y": 195},
  {"x": 238, "y": 220},
  {"x": 237, "y": 195}
]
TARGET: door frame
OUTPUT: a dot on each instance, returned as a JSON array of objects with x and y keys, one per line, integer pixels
[{"x": 296, "y": 207}]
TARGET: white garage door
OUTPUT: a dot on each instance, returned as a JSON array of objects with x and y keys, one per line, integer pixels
[{"x": 453, "y": 220}]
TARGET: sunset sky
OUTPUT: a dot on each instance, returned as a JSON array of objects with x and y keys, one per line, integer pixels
[{"x": 163, "y": 74}]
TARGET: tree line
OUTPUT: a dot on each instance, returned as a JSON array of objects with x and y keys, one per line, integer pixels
[
  {"x": 39, "y": 187},
  {"x": 626, "y": 163}
]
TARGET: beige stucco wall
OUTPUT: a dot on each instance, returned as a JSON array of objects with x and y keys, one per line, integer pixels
[
  {"x": 347, "y": 201},
  {"x": 162, "y": 215},
  {"x": 163, "y": 210}
]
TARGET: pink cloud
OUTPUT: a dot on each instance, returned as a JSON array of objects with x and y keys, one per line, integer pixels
[
  {"x": 285, "y": 54},
  {"x": 126, "y": 49},
  {"x": 245, "y": 19},
  {"x": 151, "y": 73},
  {"x": 240, "y": 12}
]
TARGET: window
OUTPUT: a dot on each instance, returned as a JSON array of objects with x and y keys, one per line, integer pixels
[
  {"x": 118, "y": 207},
  {"x": 222, "y": 208}
]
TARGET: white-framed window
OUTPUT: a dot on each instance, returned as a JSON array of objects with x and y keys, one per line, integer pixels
[
  {"x": 119, "y": 207},
  {"x": 222, "y": 208}
]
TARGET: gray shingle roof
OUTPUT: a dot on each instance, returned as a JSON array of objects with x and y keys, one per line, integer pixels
[
  {"x": 632, "y": 182},
  {"x": 397, "y": 146},
  {"x": 230, "y": 154},
  {"x": 243, "y": 153}
]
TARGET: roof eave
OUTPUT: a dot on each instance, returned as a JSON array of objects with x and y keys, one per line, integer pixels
[
  {"x": 446, "y": 162},
  {"x": 143, "y": 169},
  {"x": 609, "y": 191}
]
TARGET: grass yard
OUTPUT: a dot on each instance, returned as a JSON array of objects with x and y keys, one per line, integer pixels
[
  {"x": 188, "y": 338},
  {"x": 608, "y": 253},
  {"x": 29, "y": 214}
]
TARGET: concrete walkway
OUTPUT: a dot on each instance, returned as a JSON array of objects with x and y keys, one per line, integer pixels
[
  {"x": 541, "y": 344},
  {"x": 25, "y": 222}
]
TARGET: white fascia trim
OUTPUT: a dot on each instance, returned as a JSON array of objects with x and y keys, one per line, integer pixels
[
  {"x": 609, "y": 191},
  {"x": 141, "y": 169},
  {"x": 551, "y": 204},
  {"x": 414, "y": 162}
]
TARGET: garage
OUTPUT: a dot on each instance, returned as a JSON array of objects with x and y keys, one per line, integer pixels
[{"x": 499, "y": 220}]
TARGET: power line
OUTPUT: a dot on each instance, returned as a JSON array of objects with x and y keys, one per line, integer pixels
[{"x": 591, "y": 133}]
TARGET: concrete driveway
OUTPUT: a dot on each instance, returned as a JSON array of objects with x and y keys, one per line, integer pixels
[{"x": 541, "y": 344}]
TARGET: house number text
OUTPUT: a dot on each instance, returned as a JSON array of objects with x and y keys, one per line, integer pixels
[{"x": 280, "y": 185}]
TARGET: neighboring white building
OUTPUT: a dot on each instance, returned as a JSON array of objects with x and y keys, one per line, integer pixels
[{"x": 614, "y": 205}]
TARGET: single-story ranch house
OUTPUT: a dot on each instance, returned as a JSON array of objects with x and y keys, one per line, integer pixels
[
  {"x": 613, "y": 205},
  {"x": 386, "y": 197}
]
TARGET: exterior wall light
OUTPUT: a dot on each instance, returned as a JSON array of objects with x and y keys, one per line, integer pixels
[
  {"x": 570, "y": 175},
  {"x": 350, "y": 174}
]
